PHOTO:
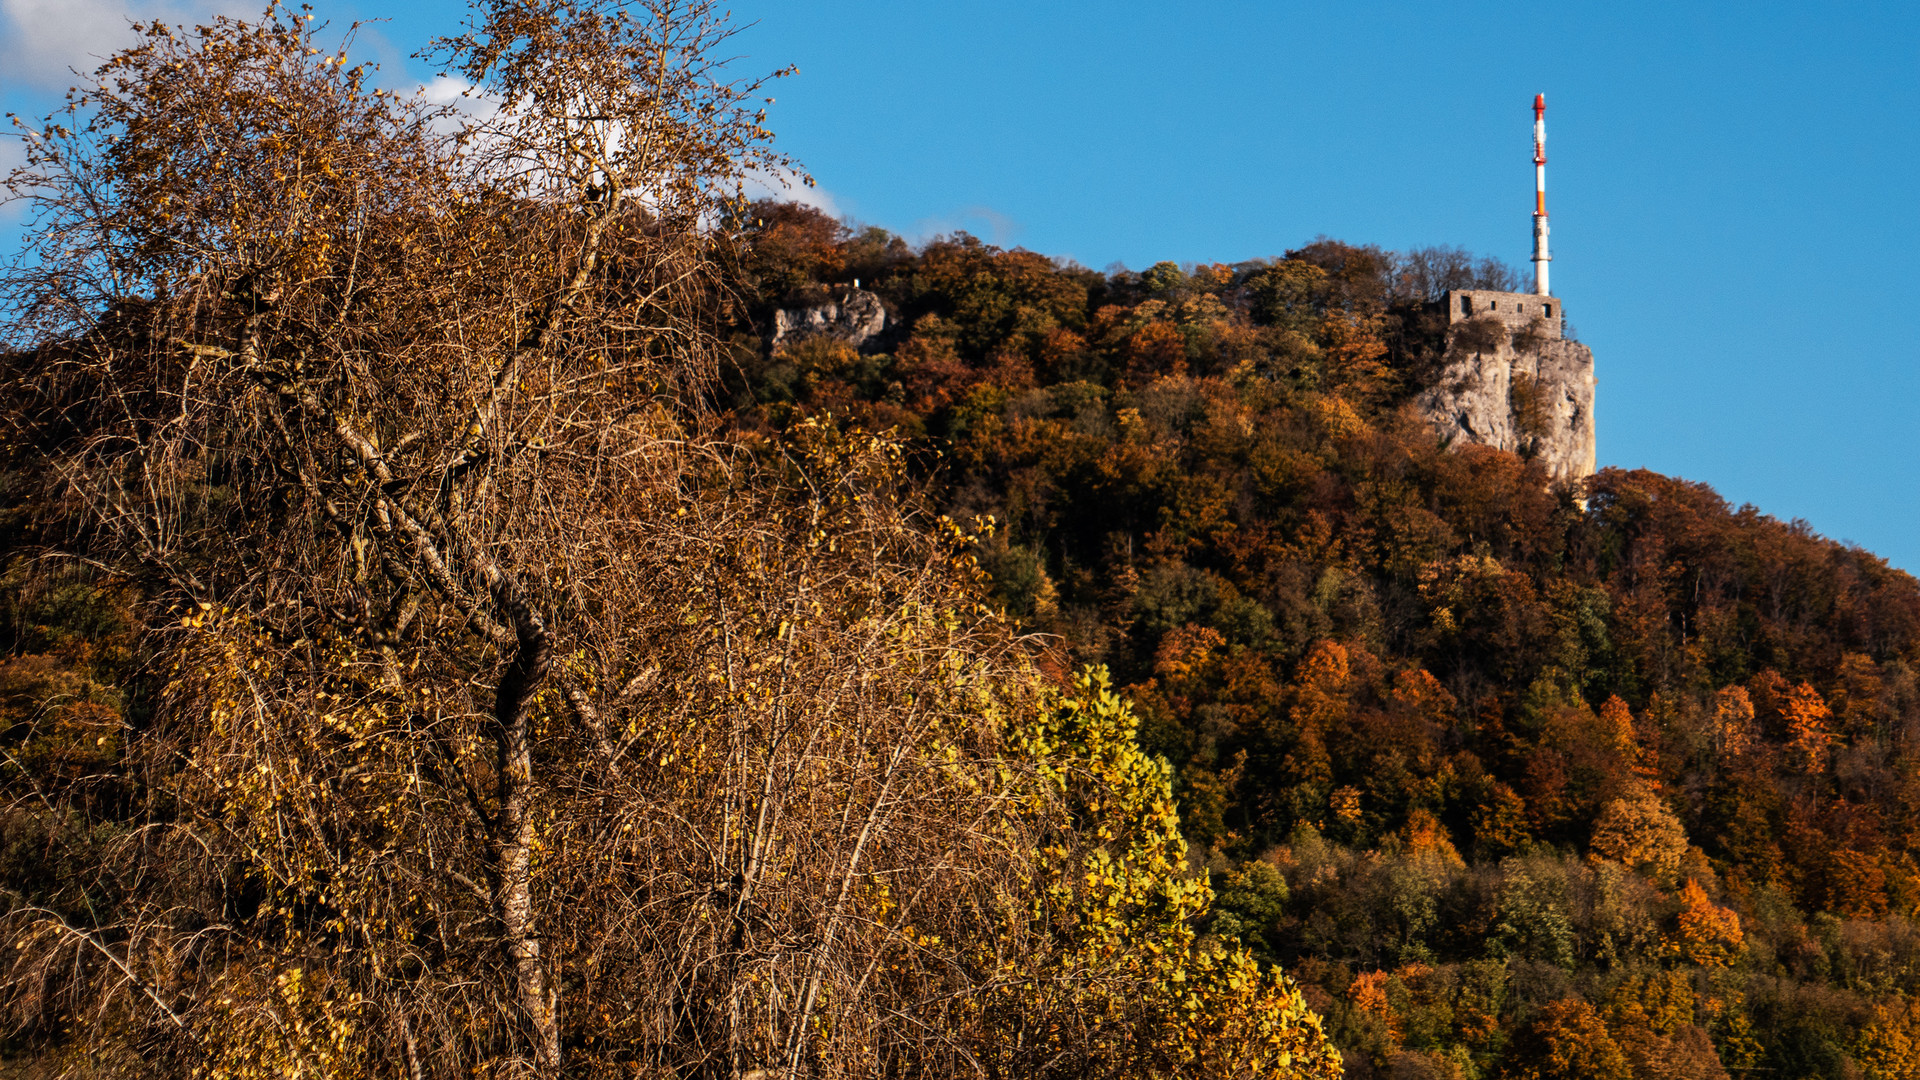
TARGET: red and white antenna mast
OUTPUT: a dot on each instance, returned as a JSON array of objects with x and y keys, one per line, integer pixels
[{"x": 1540, "y": 256}]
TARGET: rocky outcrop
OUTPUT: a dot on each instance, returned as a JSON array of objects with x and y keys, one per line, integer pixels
[
  {"x": 856, "y": 317},
  {"x": 1517, "y": 385}
]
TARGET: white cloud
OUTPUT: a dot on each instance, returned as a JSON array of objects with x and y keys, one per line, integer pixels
[
  {"x": 999, "y": 229},
  {"x": 469, "y": 107},
  {"x": 43, "y": 41},
  {"x": 788, "y": 185},
  {"x": 446, "y": 90}
]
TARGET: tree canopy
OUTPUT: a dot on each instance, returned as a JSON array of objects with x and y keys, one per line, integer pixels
[{"x": 1456, "y": 743}]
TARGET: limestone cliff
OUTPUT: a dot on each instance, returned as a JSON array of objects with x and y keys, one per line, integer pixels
[
  {"x": 856, "y": 317},
  {"x": 1512, "y": 381}
]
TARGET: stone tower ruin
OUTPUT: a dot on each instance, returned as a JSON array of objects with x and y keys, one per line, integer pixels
[
  {"x": 1511, "y": 380},
  {"x": 1510, "y": 377}
]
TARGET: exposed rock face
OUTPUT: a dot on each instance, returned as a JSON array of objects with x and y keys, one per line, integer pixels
[
  {"x": 1514, "y": 383},
  {"x": 857, "y": 318}
]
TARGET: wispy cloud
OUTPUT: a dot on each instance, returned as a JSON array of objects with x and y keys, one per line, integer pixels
[
  {"x": 42, "y": 42},
  {"x": 13, "y": 150},
  {"x": 996, "y": 227},
  {"x": 470, "y": 106},
  {"x": 449, "y": 90},
  {"x": 790, "y": 186}
]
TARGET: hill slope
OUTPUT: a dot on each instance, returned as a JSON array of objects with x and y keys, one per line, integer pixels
[{"x": 1490, "y": 764}]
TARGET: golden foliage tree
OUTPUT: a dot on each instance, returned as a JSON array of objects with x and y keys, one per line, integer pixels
[
  {"x": 1132, "y": 977},
  {"x": 1733, "y": 727},
  {"x": 1653, "y": 1019},
  {"x": 1566, "y": 1040},
  {"x": 1888, "y": 1046},
  {"x": 1809, "y": 729},
  {"x": 1641, "y": 832}
]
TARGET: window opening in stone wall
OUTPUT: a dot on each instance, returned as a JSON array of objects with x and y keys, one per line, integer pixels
[
  {"x": 1466, "y": 305},
  {"x": 1548, "y": 308},
  {"x": 1494, "y": 306}
]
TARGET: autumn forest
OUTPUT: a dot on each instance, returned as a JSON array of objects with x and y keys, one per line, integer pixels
[
  {"x": 466, "y": 611},
  {"x": 1514, "y": 779}
]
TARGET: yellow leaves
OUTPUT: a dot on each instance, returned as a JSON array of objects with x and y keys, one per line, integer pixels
[
  {"x": 290, "y": 1026},
  {"x": 1133, "y": 903},
  {"x": 1338, "y": 416},
  {"x": 1426, "y": 836},
  {"x": 1888, "y": 1047},
  {"x": 1642, "y": 833},
  {"x": 1345, "y": 803}
]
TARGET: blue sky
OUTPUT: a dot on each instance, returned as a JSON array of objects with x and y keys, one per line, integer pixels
[{"x": 1732, "y": 185}]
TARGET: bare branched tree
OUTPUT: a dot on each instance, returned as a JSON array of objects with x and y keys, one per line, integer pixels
[
  {"x": 1426, "y": 274},
  {"x": 505, "y": 720}
]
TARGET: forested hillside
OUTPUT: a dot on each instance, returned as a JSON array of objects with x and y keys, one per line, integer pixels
[
  {"x": 454, "y": 624},
  {"x": 1518, "y": 780}
]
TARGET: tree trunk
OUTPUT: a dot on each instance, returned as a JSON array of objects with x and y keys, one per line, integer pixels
[{"x": 513, "y": 846}]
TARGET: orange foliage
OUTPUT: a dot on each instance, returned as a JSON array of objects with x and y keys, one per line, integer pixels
[
  {"x": 1186, "y": 651},
  {"x": 1732, "y": 722},
  {"x": 1154, "y": 349},
  {"x": 1617, "y": 721},
  {"x": 1705, "y": 933},
  {"x": 1368, "y": 993},
  {"x": 1058, "y": 350},
  {"x": 1319, "y": 704},
  {"x": 1213, "y": 276},
  {"x": 1856, "y": 884},
  {"x": 1809, "y": 731},
  {"x": 1421, "y": 693},
  {"x": 1566, "y": 1040},
  {"x": 1355, "y": 354},
  {"x": 1425, "y": 835}
]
